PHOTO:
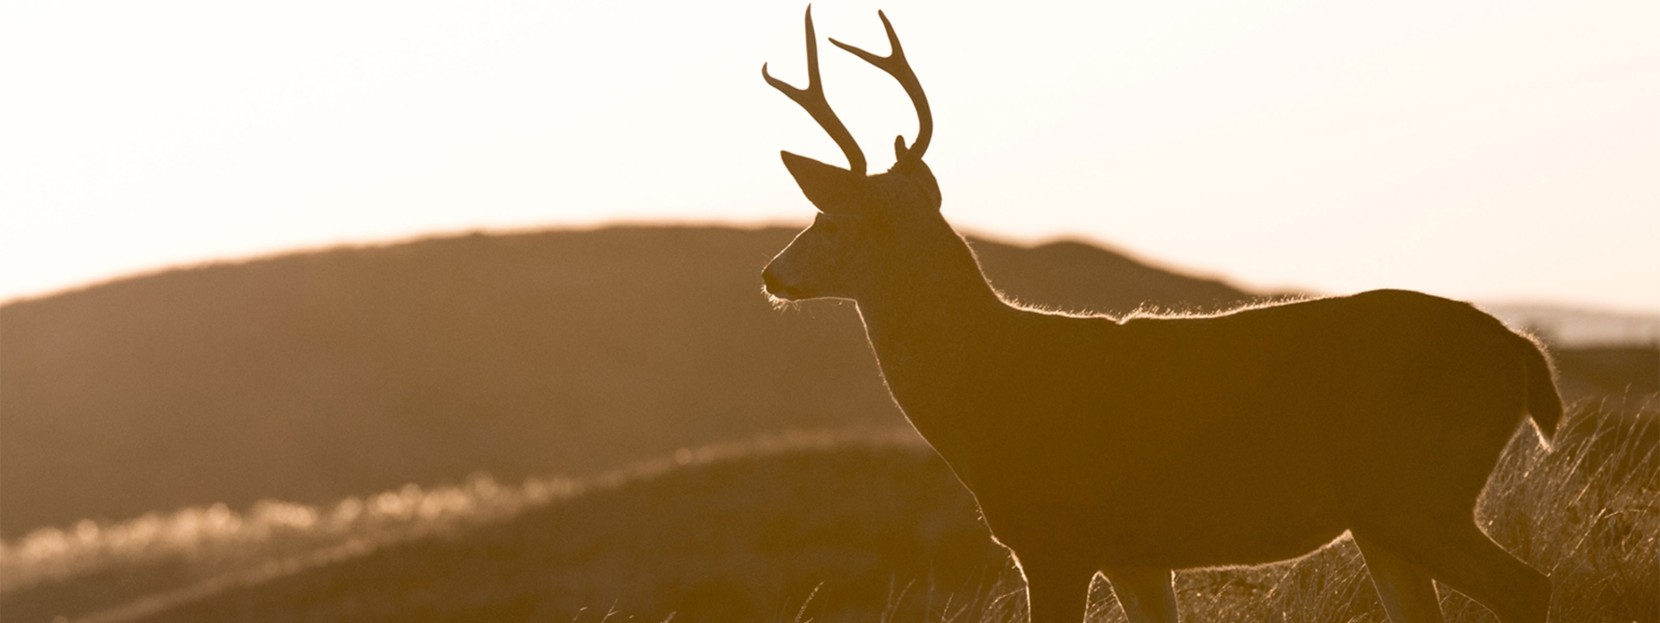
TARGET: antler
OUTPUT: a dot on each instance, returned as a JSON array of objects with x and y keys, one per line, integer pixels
[
  {"x": 812, "y": 99},
  {"x": 896, "y": 65}
]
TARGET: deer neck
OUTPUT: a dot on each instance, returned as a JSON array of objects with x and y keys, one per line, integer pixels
[
  {"x": 934, "y": 292},
  {"x": 929, "y": 319},
  {"x": 929, "y": 329}
]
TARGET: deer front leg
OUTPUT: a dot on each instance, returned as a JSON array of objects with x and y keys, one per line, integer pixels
[
  {"x": 1146, "y": 595},
  {"x": 1056, "y": 591},
  {"x": 1406, "y": 590}
]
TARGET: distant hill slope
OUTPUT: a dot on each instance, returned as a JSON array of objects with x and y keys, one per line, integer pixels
[
  {"x": 1584, "y": 327},
  {"x": 738, "y": 539},
  {"x": 315, "y": 376}
]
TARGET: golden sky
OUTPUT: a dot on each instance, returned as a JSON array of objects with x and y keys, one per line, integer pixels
[{"x": 1488, "y": 151}]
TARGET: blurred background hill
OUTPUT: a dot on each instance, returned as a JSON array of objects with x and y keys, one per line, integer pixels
[
  {"x": 1581, "y": 326},
  {"x": 315, "y": 376},
  {"x": 318, "y": 376},
  {"x": 824, "y": 524}
]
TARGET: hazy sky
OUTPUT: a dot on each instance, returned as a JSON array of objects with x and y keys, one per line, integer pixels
[{"x": 1481, "y": 150}]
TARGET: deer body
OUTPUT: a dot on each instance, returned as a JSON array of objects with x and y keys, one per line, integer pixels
[
  {"x": 1245, "y": 438},
  {"x": 1132, "y": 447}
]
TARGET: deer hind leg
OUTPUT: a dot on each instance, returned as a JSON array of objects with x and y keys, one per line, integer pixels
[
  {"x": 1406, "y": 590},
  {"x": 1056, "y": 593},
  {"x": 1146, "y": 595},
  {"x": 1476, "y": 566},
  {"x": 1459, "y": 555}
]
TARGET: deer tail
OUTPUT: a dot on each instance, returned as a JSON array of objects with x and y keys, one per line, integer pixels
[{"x": 1544, "y": 404}]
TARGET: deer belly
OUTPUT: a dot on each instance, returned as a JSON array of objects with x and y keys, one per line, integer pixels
[
  {"x": 1215, "y": 531},
  {"x": 1158, "y": 514}
]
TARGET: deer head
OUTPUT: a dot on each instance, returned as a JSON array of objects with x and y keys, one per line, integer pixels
[{"x": 868, "y": 226}]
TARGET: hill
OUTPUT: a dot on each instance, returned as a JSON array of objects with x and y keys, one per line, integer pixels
[
  {"x": 1581, "y": 327},
  {"x": 742, "y": 532},
  {"x": 316, "y": 376},
  {"x": 823, "y": 527}
]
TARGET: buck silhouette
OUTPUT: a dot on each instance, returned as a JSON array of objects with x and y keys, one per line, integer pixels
[{"x": 1135, "y": 446}]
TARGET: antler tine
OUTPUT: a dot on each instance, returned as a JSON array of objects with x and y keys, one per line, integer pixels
[
  {"x": 896, "y": 65},
  {"x": 812, "y": 99}
]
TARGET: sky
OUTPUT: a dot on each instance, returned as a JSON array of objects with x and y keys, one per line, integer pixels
[{"x": 1496, "y": 152}]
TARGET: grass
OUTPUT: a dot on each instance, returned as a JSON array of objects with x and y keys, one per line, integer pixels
[{"x": 810, "y": 527}]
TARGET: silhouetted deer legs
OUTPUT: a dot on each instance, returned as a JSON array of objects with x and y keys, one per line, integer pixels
[
  {"x": 1406, "y": 590},
  {"x": 1056, "y": 593},
  {"x": 1473, "y": 564},
  {"x": 1059, "y": 592},
  {"x": 1146, "y": 595},
  {"x": 1462, "y": 557}
]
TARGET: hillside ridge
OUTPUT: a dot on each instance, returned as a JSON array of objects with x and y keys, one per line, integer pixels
[{"x": 329, "y": 373}]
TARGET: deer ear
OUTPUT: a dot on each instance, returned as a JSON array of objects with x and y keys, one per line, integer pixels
[{"x": 830, "y": 188}]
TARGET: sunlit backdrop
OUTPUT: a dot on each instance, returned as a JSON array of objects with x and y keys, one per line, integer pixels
[{"x": 1490, "y": 151}]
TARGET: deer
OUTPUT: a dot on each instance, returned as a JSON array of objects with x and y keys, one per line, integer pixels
[{"x": 1134, "y": 446}]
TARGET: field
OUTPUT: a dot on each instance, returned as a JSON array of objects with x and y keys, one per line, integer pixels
[{"x": 851, "y": 526}]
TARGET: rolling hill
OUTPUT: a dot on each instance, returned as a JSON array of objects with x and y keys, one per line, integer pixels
[{"x": 315, "y": 376}]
